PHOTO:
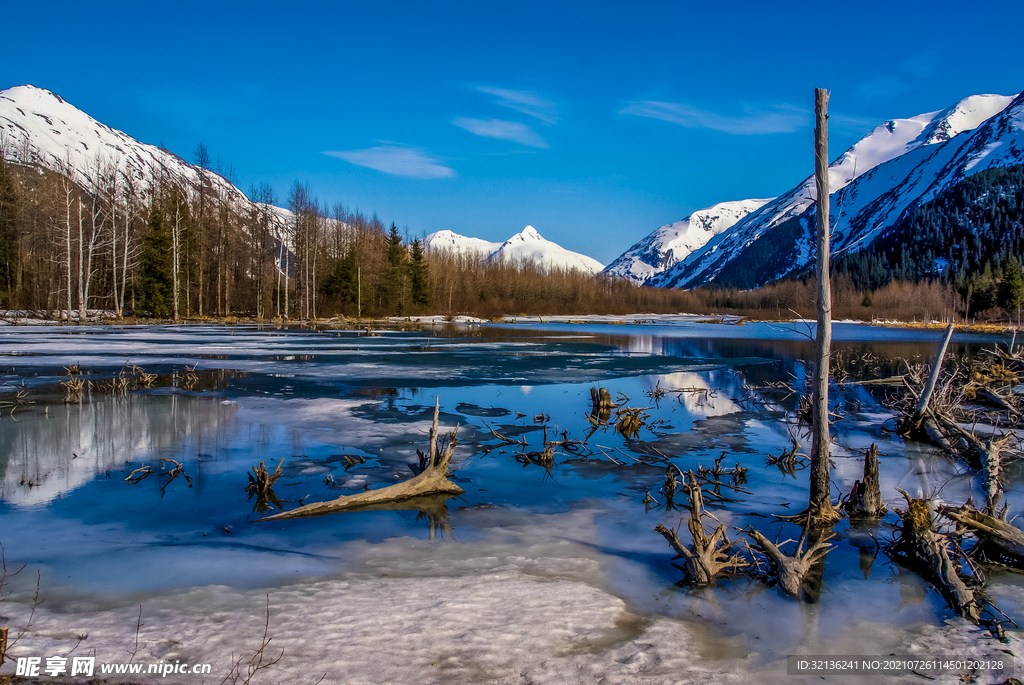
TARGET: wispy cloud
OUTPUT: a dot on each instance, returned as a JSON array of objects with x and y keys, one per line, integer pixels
[
  {"x": 524, "y": 101},
  {"x": 502, "y": 130},
  {"x": 753, "y": 121},
  {"x": 398, "y": 160}
]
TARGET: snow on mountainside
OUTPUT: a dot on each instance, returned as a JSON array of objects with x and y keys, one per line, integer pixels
[
  {"x": 901, "y": 154},
  {"x": 672, "y": 243},
  {"x": 40, "y": 127},
  {"x": 453, "y": 242},
  {"x": 526, "y": 245},
  {"x": 529, "y": 245}
]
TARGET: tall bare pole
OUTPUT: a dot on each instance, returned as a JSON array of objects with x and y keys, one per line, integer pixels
[{"x": 820, "y": 508}]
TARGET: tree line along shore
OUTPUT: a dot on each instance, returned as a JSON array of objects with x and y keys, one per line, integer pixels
[{"x": 191, "y": 253}]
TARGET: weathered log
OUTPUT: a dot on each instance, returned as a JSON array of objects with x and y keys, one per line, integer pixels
[
  {"x": 432, "y": 480},
  {"x": 865, "y": 498},
  {"x": 792, "y": 571},
  {"x": 1000, "y": 541},
  {"x": 926, "y": 551},
  {"x": 710, "y": 555}
]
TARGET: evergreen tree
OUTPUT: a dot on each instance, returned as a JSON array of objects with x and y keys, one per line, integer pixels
[
  {"x": 156, "y": 284},
  {"x": 396, "y": 275},
  {"x": 8, "y": 236},
  {"x": 342, "y": 281},
  {"x": 418, "y": 281},
  {"x": 1011, "y": 290}
]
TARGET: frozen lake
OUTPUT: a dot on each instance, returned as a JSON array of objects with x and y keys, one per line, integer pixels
[{"x": 532, "y": 575}]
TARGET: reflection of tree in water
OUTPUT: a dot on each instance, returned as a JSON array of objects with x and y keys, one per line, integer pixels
[{"x": 59, "y": 447}]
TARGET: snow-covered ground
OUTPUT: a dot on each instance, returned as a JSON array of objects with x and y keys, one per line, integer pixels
[{"x": 533, "y": 607}]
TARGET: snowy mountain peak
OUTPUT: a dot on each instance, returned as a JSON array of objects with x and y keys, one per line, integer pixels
[
  {"x": 671, "y": 243},
  {"x": 526, "y": 246},
  {"x": 453, "y": 242},
  {"x": 528, "y": 234},
  {"x": 529, "y": 246},
  {"x": 42, "y": 128},
  {"x": 966, "y": 115}
]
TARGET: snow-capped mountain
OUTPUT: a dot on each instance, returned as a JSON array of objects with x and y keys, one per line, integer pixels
[
  {"x": 670, "y": 244},
  {"x": 527, "y": 245},
  {"x": 899, "y": 163},
  {"x": 40, "y": 127},
  {"x": 453, "y": 242}
]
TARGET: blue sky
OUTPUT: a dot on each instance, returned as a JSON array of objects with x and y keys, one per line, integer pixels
[{"x": 595, "y": 122}]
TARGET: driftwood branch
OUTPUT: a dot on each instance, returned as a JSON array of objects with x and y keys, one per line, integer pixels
[
  {"x": 913, "y": 424},
  {"x": 432, "y": 480}
]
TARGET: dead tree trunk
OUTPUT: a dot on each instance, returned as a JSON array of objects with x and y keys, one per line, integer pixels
[
  {"x": 865, "y": 498},
  {"x": 433, "y": 479},
  {"x": 913, "y": 425},
  {"x": 791, "y": 571},
  {"x": 819, "y": 508},
  {"x": 927, "y": 551}
]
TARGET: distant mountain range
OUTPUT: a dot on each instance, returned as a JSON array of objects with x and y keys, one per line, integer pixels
[
  {"x": 527, "y": 245},
  {"x": 894, "y": 169},
  {"x": 900, "y": 166}
]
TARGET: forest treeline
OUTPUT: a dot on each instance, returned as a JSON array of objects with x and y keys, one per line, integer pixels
[{"x": 193, "y": 252}]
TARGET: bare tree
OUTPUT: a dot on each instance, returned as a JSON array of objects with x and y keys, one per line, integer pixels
[
  {"x": 819, "y": 507},
  {"x": 201, "y": 159}
]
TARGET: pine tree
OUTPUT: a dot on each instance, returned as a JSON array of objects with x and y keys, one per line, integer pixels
[
  {"x": 1011, "y": 290},
  {"x": 418, "y": 281},
  {"x": 341, "y": 282},
  {"x": 395, "y": 283},
  {"x": 156, "y": 285}
]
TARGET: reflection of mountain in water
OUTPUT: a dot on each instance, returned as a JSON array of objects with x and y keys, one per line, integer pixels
[
  {"x": 701, "y": 397},
  {"x": 103, "y": 433}
]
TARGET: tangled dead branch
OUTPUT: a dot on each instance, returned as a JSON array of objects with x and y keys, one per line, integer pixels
[
  {"x": 261, "y": 484},
  {"x": 998, "y": 540},
  {"x": 790, "y": 461},
  {"x": 791, "y": 571},
  {"x": 710, "y": 555}
]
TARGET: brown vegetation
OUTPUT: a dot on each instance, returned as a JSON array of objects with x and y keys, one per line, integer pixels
[{"x": 69, "y": 248}]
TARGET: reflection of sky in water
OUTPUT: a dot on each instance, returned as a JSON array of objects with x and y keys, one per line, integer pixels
[{"x": 310, "y": 398}]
